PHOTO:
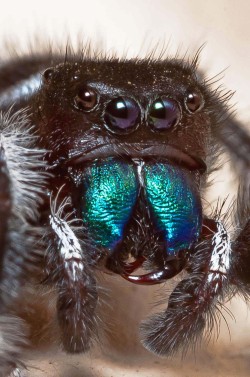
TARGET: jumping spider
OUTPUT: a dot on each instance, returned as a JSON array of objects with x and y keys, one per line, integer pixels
[{"x": 103, "y": 163}]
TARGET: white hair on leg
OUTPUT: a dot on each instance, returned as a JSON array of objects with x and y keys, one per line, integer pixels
[{"x": 22, "y": 182}]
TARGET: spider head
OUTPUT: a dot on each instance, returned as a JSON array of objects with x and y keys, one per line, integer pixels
[
  {"x": 97, "y": 116},
  {"x": 131, "y": 108}
]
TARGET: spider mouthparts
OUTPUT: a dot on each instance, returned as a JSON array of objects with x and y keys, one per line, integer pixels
[
  {"x": 141, "y": 151},
  {"x": 154, "y": 277}
]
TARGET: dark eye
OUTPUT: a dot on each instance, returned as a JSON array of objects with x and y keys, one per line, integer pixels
[
  {"x": 48, "y": 74},
  {"x": 163, "y": 114},
  {"x": 193, "y": 101},
  {"x": 86, "y": 99},
  {"x": 122, "y": 115}
]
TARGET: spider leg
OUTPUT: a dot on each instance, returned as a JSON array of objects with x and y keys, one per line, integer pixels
[
  {"x": 69, "y": 265},
  {"x": 240, "y": 268},
  {"x": 194, "y": 299},
  {"x": 13, "y": 334},
  {"x": 237, "y": 141},
  {"x": 20, "y": 78},
  {"x": 20, "y": 195},
  {"x": 17, "y": 372},
  {"x": 5, "y": 202}
]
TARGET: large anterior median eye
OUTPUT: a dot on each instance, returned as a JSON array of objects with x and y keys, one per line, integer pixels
[
  {"x": 164, "y": 113},
  {"x": 122, "y": 115}
]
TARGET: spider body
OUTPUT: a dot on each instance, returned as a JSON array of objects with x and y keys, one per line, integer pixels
[{"x": 121, "y": 156}]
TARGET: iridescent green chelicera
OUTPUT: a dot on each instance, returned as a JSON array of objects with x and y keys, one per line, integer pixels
[
  {"x": 175, "y": 205},
  {"x": 109, "y": 194}
]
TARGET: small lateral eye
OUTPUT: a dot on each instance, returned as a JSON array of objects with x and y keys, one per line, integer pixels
[
  {"x": 122, "y": 115},
  {"x": 193, "y": 101},
  {"x": 86, "y": 99},
  {"x": 48, "y": 74},
  {"x": 164, "y": 113}
]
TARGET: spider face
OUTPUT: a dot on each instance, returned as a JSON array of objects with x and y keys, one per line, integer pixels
[
  {"x": 132, "y": 144},
  {"x": 87, "y": 106},
  {"x": 128, "y": 146}
]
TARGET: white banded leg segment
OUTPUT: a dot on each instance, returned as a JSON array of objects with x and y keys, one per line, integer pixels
[
  {"x": 220, "y": 258},
  {"x": 17, "y": 372},
  {"x": 77, "y": 295},
  {"x": 69, "y": 248}
]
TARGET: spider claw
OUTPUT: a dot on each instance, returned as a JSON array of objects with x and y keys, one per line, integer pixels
[{"x": 155, "y": 277}]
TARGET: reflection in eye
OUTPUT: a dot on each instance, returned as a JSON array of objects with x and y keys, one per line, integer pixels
[
  {"x": 86, "y": 99},
  {"x": 122, "y": 115},
  {"x": 164, "y": 113},
  {"x": 193, "y": 101}
]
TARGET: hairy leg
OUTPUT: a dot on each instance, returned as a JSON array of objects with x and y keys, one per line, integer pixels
[
  {"x": 193, "y": 303},
  {"x": 21, "y": 185},
  {"x": 237, "y": 142},
  {"x": 69, "y": 267}
]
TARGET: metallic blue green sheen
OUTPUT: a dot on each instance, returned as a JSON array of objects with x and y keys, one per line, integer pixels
[
  {"x": 110, "y": 189},
  {"x": 175, "y": 205}
]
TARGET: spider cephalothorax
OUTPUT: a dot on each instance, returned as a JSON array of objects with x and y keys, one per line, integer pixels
[{"x": 124, "y": 151}]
